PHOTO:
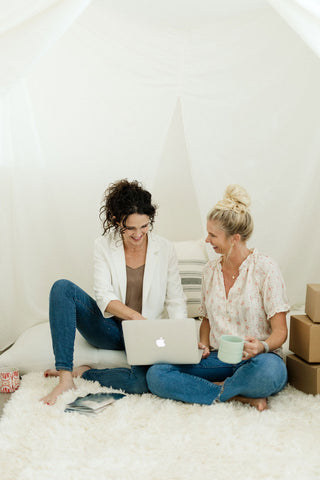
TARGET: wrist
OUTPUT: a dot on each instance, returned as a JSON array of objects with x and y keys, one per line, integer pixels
[{"x": 265, "y": 346}]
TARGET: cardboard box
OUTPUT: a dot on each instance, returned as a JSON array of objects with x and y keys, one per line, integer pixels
[
  {"x": 304, "y": 339},
  {"x": 313, "y": 302},
  {"x": 302, "y": 375}
]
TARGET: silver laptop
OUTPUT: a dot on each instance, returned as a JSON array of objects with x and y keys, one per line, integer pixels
[{"x": 162, "y": 341}]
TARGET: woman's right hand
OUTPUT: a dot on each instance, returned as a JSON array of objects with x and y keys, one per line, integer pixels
[
  {"x": 137, "y": 316},
  {"x": 121, "y": 311},
  {"x": 205, "y": 348}
]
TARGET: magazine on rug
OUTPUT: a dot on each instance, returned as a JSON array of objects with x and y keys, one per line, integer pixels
[{"x": 93, "y": 403}]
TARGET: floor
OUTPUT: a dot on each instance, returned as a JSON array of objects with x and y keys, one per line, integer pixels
[{"x": 4, "y": 397}]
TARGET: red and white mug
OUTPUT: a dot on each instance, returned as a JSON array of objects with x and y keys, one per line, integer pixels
[{"x": 9, "y": 379}]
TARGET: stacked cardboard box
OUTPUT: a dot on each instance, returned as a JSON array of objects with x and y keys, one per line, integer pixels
[{"x": 304, "y": 365}]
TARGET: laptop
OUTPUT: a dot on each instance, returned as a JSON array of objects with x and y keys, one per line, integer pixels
[{"x": 162, "y": 341}]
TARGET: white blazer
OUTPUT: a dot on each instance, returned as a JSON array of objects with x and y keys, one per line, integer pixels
[{"x": 161, "y": 282}]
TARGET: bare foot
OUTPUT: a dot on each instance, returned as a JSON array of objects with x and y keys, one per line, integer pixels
[
  {"x": 51, "y": 373},
  {"x": 259, "y": 403},
  {"x": 77, "y": 372},
  {"x": 65, "y": 383}
]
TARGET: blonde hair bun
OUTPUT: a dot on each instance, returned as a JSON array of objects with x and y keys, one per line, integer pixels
[
  {"x": 232, "y": 212},
  {"x": 235, "y": 198}
]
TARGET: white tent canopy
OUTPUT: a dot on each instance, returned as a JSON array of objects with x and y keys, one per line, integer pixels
[{"x": 185, "y": 96}]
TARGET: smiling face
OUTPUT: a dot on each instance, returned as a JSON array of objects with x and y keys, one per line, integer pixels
[
  {"x": 135, "y": 230},
  {"x": 218, "y": 239}
]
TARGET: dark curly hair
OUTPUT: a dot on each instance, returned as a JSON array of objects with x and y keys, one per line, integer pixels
[{"x": 121, "y": 199}]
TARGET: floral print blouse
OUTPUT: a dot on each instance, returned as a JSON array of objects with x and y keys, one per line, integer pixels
[{"x": 257, "y": 294}]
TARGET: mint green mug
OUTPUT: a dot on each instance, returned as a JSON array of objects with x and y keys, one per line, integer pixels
[{"x": 230, "y": 349}]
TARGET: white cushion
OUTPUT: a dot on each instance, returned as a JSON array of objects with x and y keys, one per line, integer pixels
[
  {"x": 192, "y": 257},
  {"x": 33, "y": 352}
]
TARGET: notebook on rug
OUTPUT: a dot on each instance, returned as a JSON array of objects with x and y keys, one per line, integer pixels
[
  {"x": 93, "y": 403},
  {"x": 162, "y": 341}
]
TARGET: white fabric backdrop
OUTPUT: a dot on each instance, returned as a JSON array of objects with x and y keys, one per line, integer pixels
[
  {"x": 28, "y": 30},
  {"x": 101, "y": 104},
  {"x": 304, "y": 17}
]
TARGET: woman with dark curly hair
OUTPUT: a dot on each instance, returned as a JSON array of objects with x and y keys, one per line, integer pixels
[{"x": 135, "y": 277}]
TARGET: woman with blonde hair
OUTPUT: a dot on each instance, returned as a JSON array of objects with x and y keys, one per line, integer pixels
[{"x": 243, "y": 294}]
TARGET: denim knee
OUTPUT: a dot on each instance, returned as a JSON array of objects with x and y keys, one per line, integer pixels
[
  {"x": 273, "y": 370},
  {"x": 61, "y": 287},
  {"x": 280, "y": 374},
  {"x": 154, "y": 377}
]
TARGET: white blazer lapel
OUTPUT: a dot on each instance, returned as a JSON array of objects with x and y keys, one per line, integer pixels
[
  {"x": 120, "y": 266},
  {"x": 151, "y": 261}
]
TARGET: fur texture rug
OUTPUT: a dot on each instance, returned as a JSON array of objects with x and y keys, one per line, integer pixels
[{"x": 145, "y": 437}]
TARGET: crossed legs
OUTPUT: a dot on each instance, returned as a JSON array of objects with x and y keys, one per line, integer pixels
[{"x": 211, "y": 380}]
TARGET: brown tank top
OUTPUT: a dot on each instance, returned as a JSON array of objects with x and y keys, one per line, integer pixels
[{"x": 134, "y": 288}]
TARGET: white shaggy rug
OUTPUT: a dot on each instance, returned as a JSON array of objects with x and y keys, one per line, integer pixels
[{"x": 145, "y": 437}]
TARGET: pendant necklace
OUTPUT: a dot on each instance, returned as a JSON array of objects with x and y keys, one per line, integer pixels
[{"x": 235, "y": 275}]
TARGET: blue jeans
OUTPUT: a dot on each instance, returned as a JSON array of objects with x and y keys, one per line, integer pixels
[
  {"x": 71, "y": 308},
  {"x": 261, "y": 376}
]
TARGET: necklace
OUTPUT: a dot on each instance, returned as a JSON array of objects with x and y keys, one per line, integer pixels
[
  {"x": 232, "y": 267},
  {"x": 234, "y": 276}
]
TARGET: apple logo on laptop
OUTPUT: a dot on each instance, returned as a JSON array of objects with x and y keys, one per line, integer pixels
[{"x": 160, "y": 342}]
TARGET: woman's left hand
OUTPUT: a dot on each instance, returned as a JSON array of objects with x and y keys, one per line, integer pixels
[
  {"x": 252, "y": 347},
  {"x": 205, "y": 348}
]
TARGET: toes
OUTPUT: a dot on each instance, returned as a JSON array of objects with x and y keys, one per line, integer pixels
[
  {"x": 48, "y": 401},
  {"x": 51, "y": 373}
]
